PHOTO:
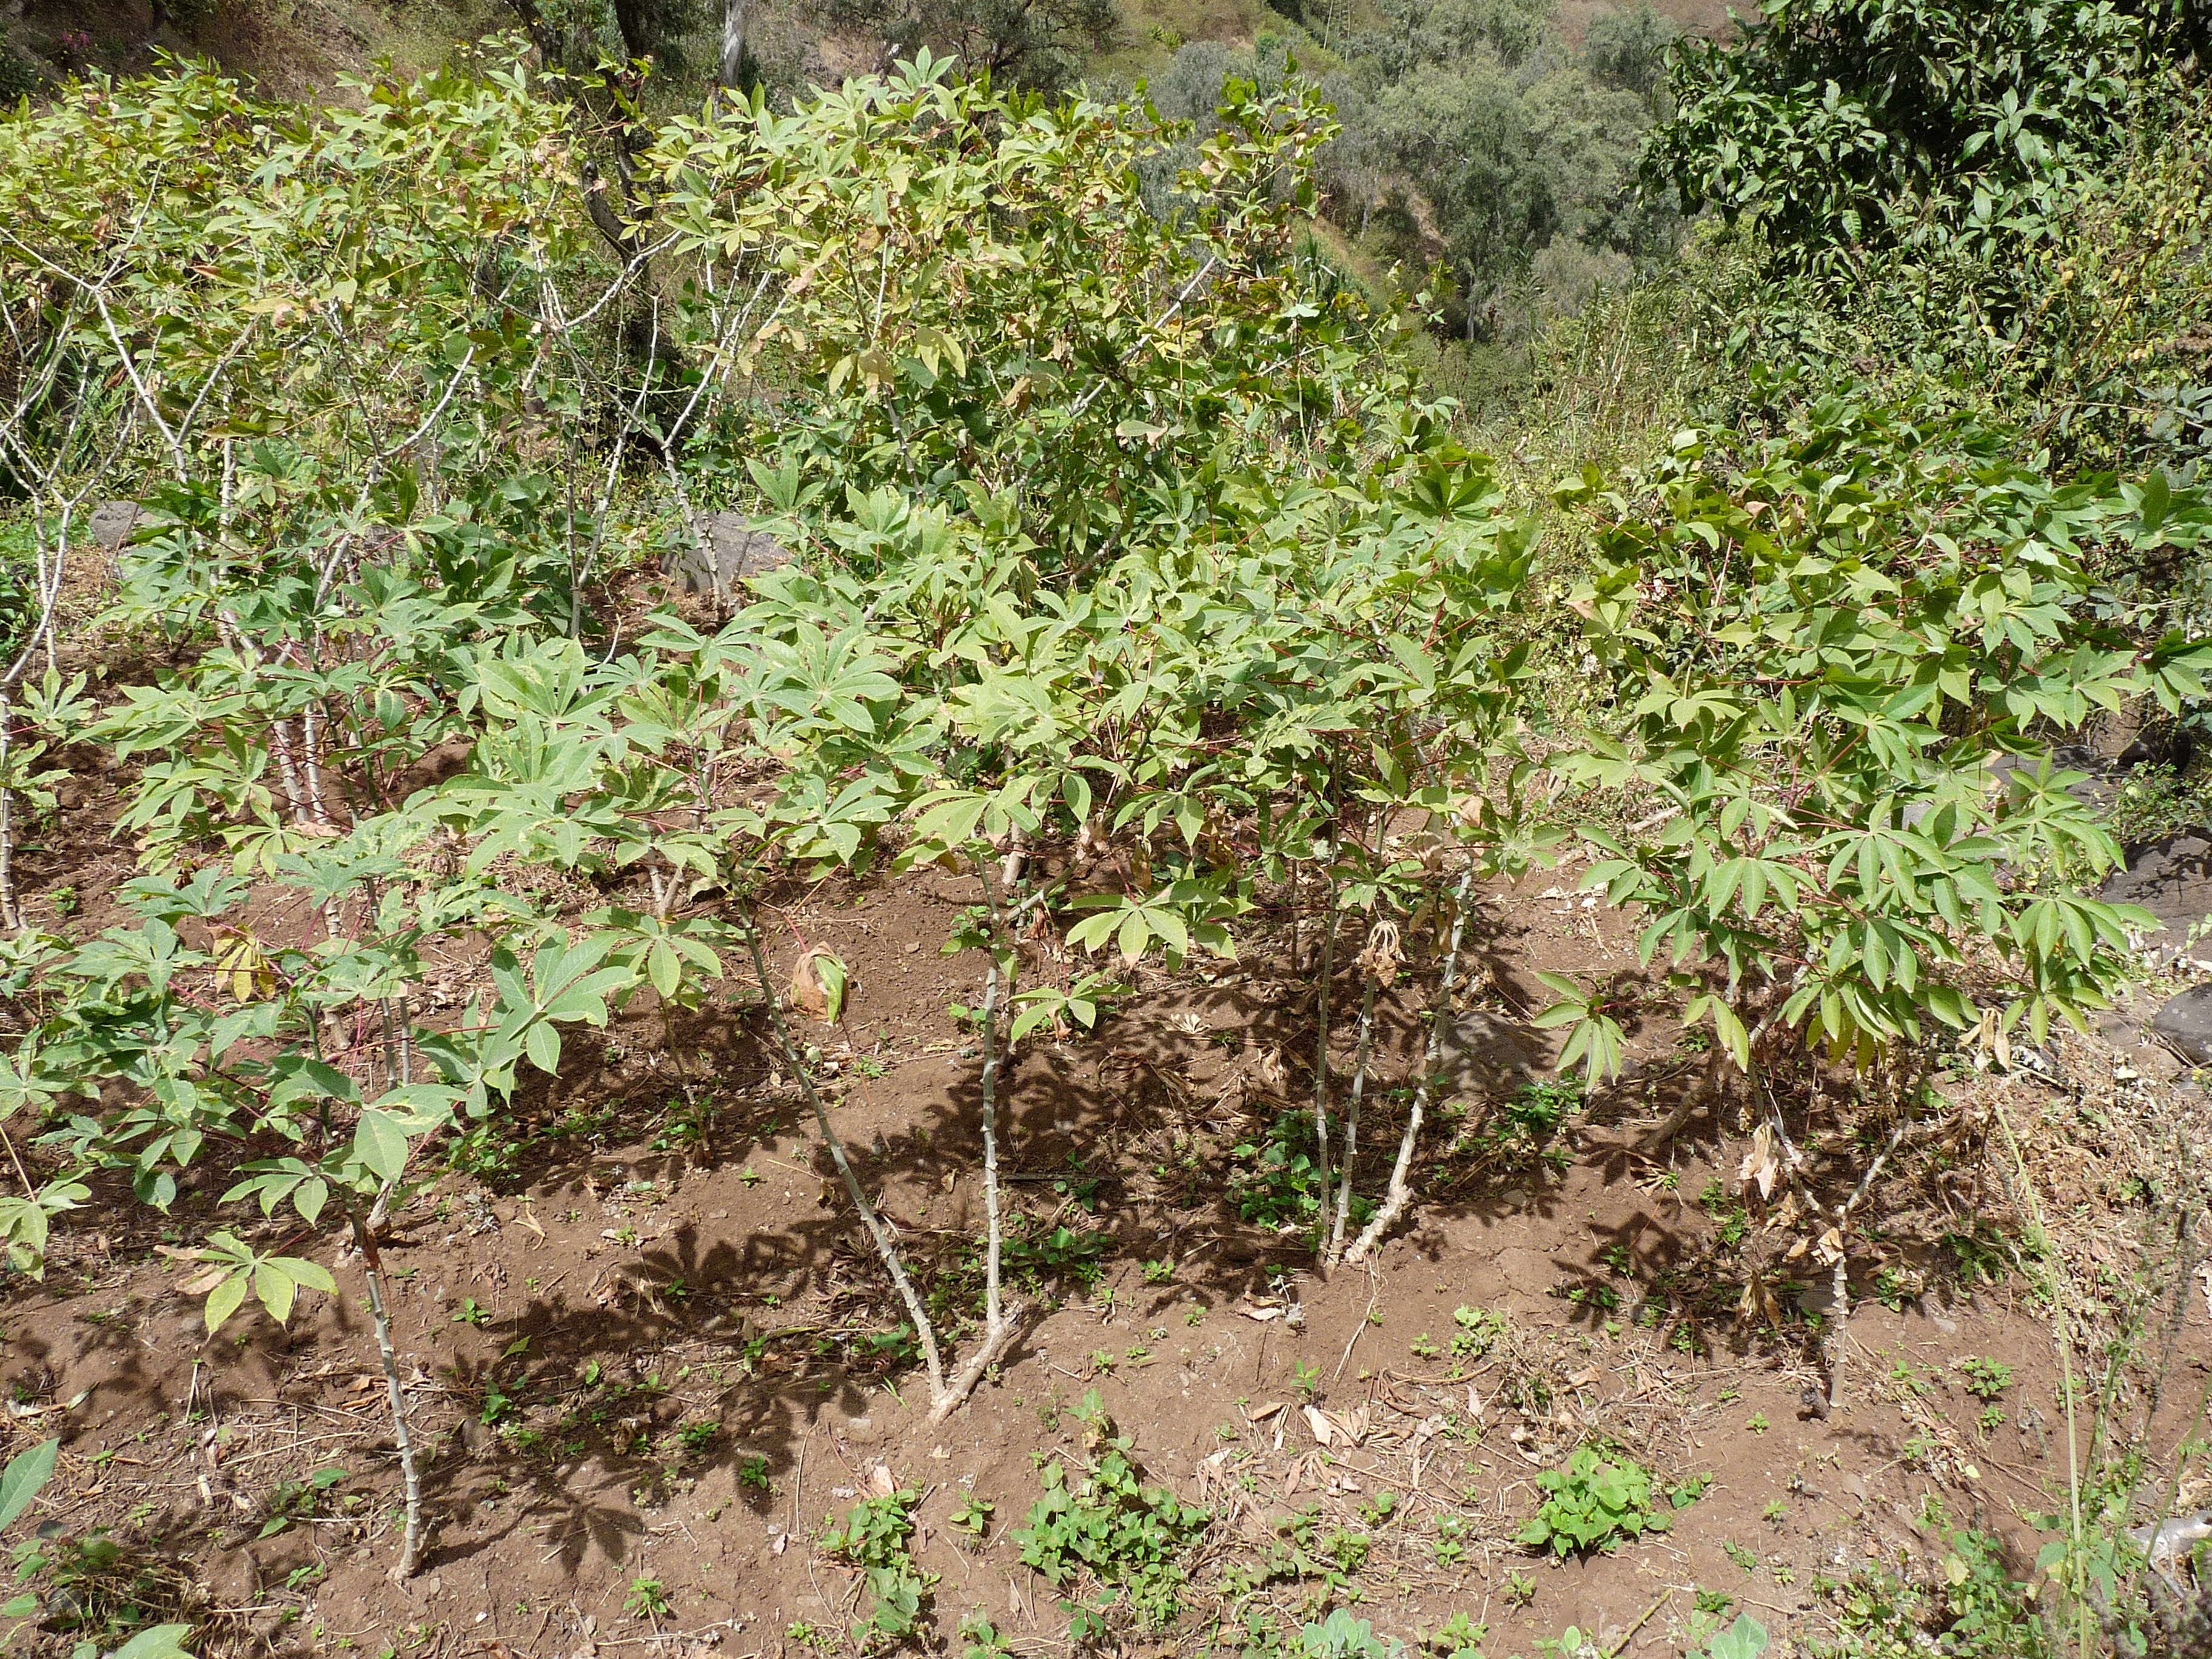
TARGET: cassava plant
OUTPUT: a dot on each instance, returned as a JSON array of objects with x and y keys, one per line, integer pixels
[
  {"x": 1836, "y": 667},
  {"x": 378, "y": 580}
]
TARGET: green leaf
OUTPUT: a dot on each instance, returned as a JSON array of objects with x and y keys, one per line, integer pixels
[
  {"x": 26, "y": 1477},
  {"x": 275, "y": 1289},
  {"x": 223, "y": 1301},
  {"x": 306, "y": 1275},
  {"x": 1746, "y": 1639},
  {"x": 380, "y": 1144},
  {"x": 541, "y": 1044},
  {"x": 156, "y": 1642},
  {"x": 830, "y": 971}
]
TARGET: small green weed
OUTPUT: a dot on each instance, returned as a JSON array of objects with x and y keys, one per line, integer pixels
[
  {"x": 1594, "y": 1504},
  {"x": 1479, "y": 1332},
  {"x": 1525, "y": 1126},
  {"x": 983, "y": 1639},
  {"x": 874, "y": 1539},
  {"x": 1062, "y": 1253},
  {"x": 974, "y": 1515},
  {"x": 647, "y": 1599},
  {"x": 1746, "y": 1639},
  {"x": 1460, "y": 1638},
  {"x": 1733, "y": 1221},
  {"x": 1107, "y": 1525},
  {"x": 1342, "y": 1636},
  {"x": 1276, "y": 1184},
  {"x": 1985, "y": 1378},
  {"x": 297, "y": 1500},
  {"x": 1451, "y": 1548}
]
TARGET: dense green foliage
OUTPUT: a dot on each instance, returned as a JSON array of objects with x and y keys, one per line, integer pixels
[
  {"x": 1123, "y": 529},
  {"x": 1473, "y": 135},
  {"x": 1835, "y": 127},
  {"x": 1996, "y": 207},
  {"x": 1819, "y": 648}
]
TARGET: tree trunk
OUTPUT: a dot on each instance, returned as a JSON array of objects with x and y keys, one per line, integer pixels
[
  {"x": 733, "y": 46},
  {"x": 640, "y": 26}
]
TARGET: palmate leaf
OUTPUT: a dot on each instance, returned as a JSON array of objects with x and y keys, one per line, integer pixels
[{"x": 1840, "y": 631}]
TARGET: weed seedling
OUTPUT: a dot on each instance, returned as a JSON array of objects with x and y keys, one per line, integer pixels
[
  {"x": 974, "y": 1515},
  {"x": 1105, "y": 1523},
  {"x": 1593, "y": 1503},
  {"x": 1478, "y": 1332},
  {"x": 1985, "y": 1379},
  {"x": 874, "y": 1539}
]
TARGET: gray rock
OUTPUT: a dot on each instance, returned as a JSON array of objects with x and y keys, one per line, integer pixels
[
  {"x": 2171, "y": 878},
  {"x": 729, "y": 550},
  {"x": 1486, "y": 1054},
  {"x": 1817, "y": 1298},
  {"x": 2186, "y": 1022},
  {"x": 111, "y": 522}
]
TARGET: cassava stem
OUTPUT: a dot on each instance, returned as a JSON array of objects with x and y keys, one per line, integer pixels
[
  {"x": 886, "y": 1247},
  {"x": 1321, "y": 1041},
  {"x": 364, "y": 1238},
  {"x": 1401, "y": 1191},
  {"x": 1352, "y": 1116},
  {"x": 10, "y": 915},
  {"x": 995, "y": 1324}
]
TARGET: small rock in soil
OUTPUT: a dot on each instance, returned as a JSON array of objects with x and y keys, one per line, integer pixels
[
  {"x": 2186, "y": 1022},
  {"x": 729, "y": 552},
  {"x": 2172, "y": 878},
  {"x": 111, "y": 522},
  {"x": 1485, "y": 1053}
]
